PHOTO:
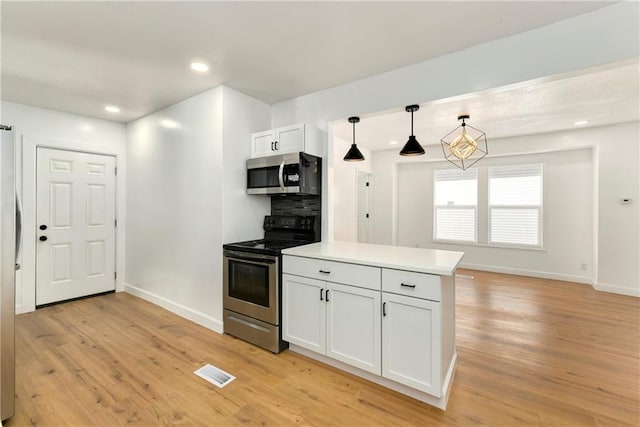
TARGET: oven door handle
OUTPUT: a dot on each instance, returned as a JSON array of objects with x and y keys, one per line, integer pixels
[
  {"x": 252, "y": 260},
  {"x": 281, "y": 176}
]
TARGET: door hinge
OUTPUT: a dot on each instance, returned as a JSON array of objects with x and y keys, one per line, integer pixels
[
  {"x": 115, "y": 275},
  {"x": 116, "y": 170},
  {"x": 115, "y": 221}
]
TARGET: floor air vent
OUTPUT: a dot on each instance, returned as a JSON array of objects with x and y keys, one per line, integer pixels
[{"x": 214, "y": 375}]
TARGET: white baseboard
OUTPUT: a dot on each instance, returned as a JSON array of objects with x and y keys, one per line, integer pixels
[
  {"x": 603, "y": 287},
  {"x": 179, "y": 309},
  {"x": 529, "y": 273},
  {"x": 20, "y": 309},
  {"x": 438, "y": 402}
]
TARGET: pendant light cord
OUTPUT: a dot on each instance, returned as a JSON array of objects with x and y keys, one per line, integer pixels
[
  {"x": 354, "y": 133},
  {"x": 411, "y": 122}
]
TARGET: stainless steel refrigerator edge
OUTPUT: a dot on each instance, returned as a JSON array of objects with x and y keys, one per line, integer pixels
[{"x": 10, "y": 224}]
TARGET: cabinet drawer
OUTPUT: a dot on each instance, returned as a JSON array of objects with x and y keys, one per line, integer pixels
[
  {"x": 331, "y": 271},
  {"x": 419, "y": 285}
]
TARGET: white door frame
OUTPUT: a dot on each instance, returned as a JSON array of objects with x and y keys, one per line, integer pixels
[
  {"x": 369, "y": 203},
  {"x": 29, "y": 147}
]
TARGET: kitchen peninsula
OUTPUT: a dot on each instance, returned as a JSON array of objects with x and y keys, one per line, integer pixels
[{"x": 384, "y": 313}]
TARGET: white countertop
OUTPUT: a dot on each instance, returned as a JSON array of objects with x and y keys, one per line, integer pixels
[{"x": 443, "y": 263}]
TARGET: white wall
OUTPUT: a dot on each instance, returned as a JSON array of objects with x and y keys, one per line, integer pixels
[
  {"x": 344, "y": 190},
  {"x": 41, "y": 127},
  {"x": 618, "y": 225},
  {"x": 614, "y": 242},
  {"x": 567, "y": 216},
  {"x": 602, "y": 37},
  {"x": 242, "y": 215},
  {"x": 180, "y": 179}
]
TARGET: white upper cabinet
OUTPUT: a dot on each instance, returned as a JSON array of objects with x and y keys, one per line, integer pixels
[
  {"x": 262, "y": 144},
  {"x": 288, "y": 139}
]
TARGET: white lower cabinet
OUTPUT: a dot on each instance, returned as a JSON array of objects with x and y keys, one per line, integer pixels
[
  {"x": 396, "y": 324},
  {"x": 303, "y": 312},
  {"x": 411, "y": 352},
  {"x": 353, "y": 326},
  {"x": 371, "y": 312},
  {"x": 342, "y": 322}
]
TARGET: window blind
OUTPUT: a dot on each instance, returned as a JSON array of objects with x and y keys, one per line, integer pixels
[
  {"x": 455, "y": 201},
  {"x": 515, "y": 204}
]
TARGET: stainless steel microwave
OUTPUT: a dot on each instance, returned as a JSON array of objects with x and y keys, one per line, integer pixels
[{"x": 292, "y": 173}]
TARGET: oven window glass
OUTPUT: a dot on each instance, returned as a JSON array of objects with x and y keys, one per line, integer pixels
[
  {"x": 263, "y": 177},
  {"x": 249, "y": 282}
]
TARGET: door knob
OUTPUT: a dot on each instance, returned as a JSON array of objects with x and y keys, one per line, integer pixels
[
  {"x": 43, "y": 238},
  {"x": 43, "y": 227}
]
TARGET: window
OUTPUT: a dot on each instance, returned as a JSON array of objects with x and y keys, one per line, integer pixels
[
  {"x": 456, "y": 202},
  {"x": 515, "y": 204}
]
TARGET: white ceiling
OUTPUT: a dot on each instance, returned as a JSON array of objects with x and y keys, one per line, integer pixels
[
  {"x": 79, "y": 56},
  {"x": 604, "y": 96}
]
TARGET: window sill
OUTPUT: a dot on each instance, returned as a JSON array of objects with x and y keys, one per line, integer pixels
[{"x": 491, "y": 245}]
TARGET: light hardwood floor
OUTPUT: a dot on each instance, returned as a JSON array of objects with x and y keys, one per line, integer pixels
[{"x": 530, "y": 352}]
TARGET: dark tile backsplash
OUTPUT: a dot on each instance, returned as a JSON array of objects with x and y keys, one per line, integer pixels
[{"x": 296, "y": 205}]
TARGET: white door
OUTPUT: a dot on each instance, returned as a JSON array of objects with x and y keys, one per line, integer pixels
[
  {"x": 363, "y": 207},
  {"x": 290, "y": 139},
  {"x": 303, "y": 312},
  {"x": 75, "y": 211},
  {"x": 353, "y": 326},
  {"x": 410, "y": 342}
]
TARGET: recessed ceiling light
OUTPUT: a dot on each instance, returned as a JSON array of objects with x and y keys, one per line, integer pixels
[
  {"x": 112, "y": 109},
  {"x": 199, "y": 67},
  {"x": 393, "y": 142},
  {"x": 581, "y": 122},
  {"x": 170, "y": 124}
]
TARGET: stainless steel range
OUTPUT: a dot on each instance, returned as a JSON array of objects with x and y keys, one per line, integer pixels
[{"x": 252, "y": 279}]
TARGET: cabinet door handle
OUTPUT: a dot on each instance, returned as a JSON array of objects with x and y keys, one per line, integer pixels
[
  {"x": 321, "y": 291},
  {"x": 276, "y": 145},
  {"x": 384, "y": 309},
  {"x": 326, "y": 295},
  {"x": 406, "y": 285},
  {"x": 324, "y": 271},
  {"x": 271, "y": 145}
]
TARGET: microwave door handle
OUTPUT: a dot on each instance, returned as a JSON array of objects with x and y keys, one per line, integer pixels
[{"x": 281, "y": 176}]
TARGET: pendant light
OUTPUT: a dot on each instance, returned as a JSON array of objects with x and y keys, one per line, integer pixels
[
  {"x": 467, "y": 148},
  {"x": 353, "y": 155},
  {"x": 412, "y": 147}
]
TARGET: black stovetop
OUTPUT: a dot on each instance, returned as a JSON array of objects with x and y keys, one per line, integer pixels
[
  {"x": 264, "y": 246},
  {"x": 281, "y": 232}
]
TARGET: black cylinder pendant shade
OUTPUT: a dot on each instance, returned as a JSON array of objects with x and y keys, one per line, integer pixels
[
  {"x": 353, "y": 155},
  {"x": 412, "y": 147}
]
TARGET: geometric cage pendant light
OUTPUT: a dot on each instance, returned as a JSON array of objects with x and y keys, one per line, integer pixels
[
  {"x": 353, "y": 155},
  {"x": 465, "y": 145},
  {"x": 412, "y": 147}
]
